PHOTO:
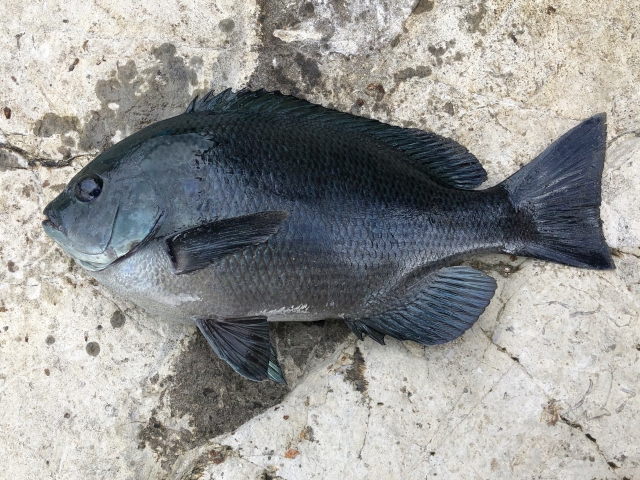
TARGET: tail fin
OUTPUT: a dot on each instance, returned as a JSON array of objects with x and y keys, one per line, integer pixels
[{"x": 558, "y": 197}]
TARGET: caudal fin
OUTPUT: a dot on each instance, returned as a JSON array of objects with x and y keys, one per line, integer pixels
[{"x": 557, "y": 199}]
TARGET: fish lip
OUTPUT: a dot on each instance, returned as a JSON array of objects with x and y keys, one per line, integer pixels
[
  {"x": 51, "y": 224},
  {"x": 52, "y": 221}
]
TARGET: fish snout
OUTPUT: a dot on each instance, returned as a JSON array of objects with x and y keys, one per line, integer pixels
[{"x": 53, "y": 220}]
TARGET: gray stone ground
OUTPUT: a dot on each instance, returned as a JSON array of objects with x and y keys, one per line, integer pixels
[{"x": 544, "y": 386}]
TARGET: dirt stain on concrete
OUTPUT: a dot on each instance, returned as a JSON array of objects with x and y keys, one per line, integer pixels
[
  {"x": 355, "y": 374},
  {"x": 130, "y": 99},
  {"x": 423, "y": 6},
  {"x": 215, "y": 399},
  {"x": 474, "y": 20}
]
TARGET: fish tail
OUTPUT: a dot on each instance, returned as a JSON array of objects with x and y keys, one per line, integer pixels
[{"x": 557, "y": 197}]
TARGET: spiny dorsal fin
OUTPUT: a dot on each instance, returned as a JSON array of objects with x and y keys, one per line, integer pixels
[{"x": 443, "y": 160}]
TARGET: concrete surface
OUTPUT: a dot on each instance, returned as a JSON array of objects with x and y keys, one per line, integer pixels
[{"x": 544, "y": 386}]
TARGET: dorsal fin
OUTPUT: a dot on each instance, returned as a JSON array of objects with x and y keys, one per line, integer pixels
[{"x": 443, "y": 160}]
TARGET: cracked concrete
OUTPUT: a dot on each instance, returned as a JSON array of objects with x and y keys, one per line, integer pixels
[
  {"x": 586, "y": 343},
  {"x": 544, "y": 385},
  {"x": 438, "y": 415}
]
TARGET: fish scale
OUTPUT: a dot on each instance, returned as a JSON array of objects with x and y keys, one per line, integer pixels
[{"x": 254, "y": 207}]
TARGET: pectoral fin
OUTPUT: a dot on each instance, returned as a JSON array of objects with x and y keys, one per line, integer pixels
[
  {"x": 436, "y": 309},
  {"x": 244, "y": 344},
  {"x": 200, "y": 246}
]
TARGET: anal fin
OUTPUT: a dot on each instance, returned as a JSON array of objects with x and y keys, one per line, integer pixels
[
  {"x": 360, "y": 328},
  {"x": 244, "y": 344},
  {"x": 436, "y": 309}
]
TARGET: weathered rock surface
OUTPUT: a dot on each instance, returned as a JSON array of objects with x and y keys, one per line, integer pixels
[{"x": 545, "y": 385}]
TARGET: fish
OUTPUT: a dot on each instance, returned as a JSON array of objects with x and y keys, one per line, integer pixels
[{"x": 254, "y": 206}]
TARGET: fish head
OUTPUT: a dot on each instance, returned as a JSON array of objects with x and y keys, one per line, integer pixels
[{"x": 106, "y": 212}]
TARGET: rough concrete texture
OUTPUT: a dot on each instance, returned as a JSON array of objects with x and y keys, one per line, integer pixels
[{"x": 545, "y": 385}]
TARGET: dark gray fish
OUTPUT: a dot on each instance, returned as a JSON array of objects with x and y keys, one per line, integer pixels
[{"x": 254, "y": 207}]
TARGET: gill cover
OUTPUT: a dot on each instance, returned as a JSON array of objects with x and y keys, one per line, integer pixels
[{"x": 98, "y": 227}]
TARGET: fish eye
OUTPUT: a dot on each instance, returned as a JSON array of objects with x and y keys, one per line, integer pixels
[{"x": 88, "y": 188}]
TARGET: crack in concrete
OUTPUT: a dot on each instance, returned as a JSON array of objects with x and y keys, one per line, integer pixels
[
  {"x": 563, "y": 418},
  {"x": 607, "y": 399},
  {"x": 34, "y": 161},
  {"x": 366, "y": 433},
  {"x": 575, "y": 425},
  {"x": 626, "y": 250},
  {"x": 102, "y": 293},
  {"x": 471, "y": 410},
  {"x": 631, "y": 394},
  {"x": 581, "y": 401},
  {"x": 499, "y": 314},
  {"x": 611, "y": 465},
  {"x": 635, "y": 133},
  {"x": 198, "y": 468}
]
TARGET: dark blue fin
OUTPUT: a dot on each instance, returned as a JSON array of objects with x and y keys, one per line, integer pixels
[
  {"x": 436, "y": 309},
  {"x": 200, "y": 246},
  {"x": 557, "y": 199},
  {"x": 275, "y": 372},
  {"x": 359, "y": 328},
  {"x": 243, "y": 343},
  {"x": 443, "y": 160}
]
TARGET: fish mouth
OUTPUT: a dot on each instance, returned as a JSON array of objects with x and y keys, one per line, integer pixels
[
  {"x": 52, "y": 221},
  {"x": 53, "y": 226},
  {"x": 49, "y": 223},
  {"x": 92, "y": 261},
  {"x": 96, "y": 261}
]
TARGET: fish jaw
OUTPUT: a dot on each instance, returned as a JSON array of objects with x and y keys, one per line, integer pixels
[{"x": 89, "y": 261}]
